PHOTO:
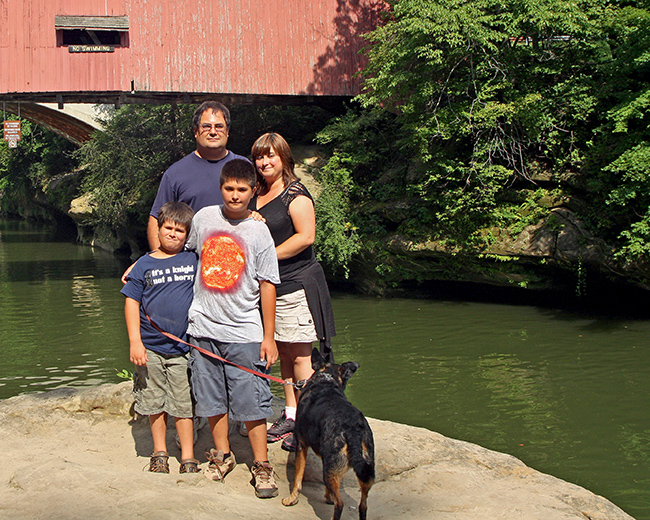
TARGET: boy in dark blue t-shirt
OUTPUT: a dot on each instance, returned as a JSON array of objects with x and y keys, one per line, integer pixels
[{"x": 160, "y": 286}]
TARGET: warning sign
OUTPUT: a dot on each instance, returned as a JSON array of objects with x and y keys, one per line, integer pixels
[{"x": 12, "y": 133}]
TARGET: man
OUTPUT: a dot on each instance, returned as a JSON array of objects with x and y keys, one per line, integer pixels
[{"x": 195, "y": 178}]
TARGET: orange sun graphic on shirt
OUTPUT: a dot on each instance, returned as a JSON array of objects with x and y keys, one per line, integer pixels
[{"x": 222, "y": 262}]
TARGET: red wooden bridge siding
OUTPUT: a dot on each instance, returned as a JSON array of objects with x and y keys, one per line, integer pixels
[{"x": 242, "y": 47}]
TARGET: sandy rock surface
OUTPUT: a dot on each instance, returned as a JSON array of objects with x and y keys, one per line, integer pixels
[{"x": 79, "y": 454}]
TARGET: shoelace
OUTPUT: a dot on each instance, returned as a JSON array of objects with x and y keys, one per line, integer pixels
[
  {"x": 189, "y": 467},
  {"x": 264, "y": 473},
  {"x": 156, "y": 464},
  {"x": 279, "y": 422},
  {"x": 219, "y": 466}
]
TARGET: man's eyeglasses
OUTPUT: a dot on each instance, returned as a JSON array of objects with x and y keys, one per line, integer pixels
[{"x": 218, "y": 128}]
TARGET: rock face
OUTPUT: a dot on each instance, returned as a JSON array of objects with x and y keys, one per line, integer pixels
[
  {"x": 555, "y": 253},
  {"x": 82, "y": 208},
  {"x": 80, "y": 454}
]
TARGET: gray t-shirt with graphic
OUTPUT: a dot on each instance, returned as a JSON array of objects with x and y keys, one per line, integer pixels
[{"x": 234, "y": 257}]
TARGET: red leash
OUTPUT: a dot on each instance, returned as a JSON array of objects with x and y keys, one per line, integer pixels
[{"x": 223, "y": 360}]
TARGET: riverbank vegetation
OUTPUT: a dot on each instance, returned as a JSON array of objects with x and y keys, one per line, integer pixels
[
  {"x": 480, "y": 119},
  {"x": 27, "y": 172},
  {"x": 488, "y": 135}
]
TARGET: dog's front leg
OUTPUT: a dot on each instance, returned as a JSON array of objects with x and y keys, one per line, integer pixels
[{"x": 301, "y": 462}]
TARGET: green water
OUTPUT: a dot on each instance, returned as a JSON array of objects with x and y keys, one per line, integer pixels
[{"x": 564, "y": 391}]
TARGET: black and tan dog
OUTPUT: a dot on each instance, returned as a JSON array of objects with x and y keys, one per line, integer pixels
[{"x": 339, "y": 434}]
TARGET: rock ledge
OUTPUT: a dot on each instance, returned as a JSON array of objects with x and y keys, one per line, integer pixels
[{"x": 80, "y": 454}]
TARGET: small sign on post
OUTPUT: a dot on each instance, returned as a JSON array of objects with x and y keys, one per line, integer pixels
[{"x": 12, "y": 133}]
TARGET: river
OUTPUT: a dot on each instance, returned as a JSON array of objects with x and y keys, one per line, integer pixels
[{"x": 565, "y": 391}]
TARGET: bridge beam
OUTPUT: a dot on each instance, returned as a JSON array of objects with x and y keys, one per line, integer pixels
[
  {"x": 73, "y": 122},
  {"x": 72, "y": 114}
]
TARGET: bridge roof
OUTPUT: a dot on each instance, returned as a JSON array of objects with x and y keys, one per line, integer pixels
[{"x": 116, "y": 51}]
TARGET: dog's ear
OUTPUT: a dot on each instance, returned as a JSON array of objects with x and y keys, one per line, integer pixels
[
  {"x": 347, "y": 370},
  {"x": 317, "y": 361}
]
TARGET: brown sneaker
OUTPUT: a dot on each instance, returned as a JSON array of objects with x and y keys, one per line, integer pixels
[
  {"x": 189, "y": 466},
  {"x": 159, "y": 462},
  {"x": 264, "y": 481},
  {"x": 218, "y": 468}
]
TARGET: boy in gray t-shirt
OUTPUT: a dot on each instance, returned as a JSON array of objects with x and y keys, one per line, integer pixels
[{"x": 238, "y": 268}]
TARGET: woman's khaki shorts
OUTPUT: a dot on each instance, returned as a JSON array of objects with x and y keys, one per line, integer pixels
[{"x": 293, "y": 321}]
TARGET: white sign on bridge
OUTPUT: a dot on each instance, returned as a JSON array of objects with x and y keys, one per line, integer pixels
[{"x": 12, "y": 133}]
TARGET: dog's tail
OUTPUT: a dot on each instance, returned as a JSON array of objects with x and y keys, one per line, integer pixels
[{"x": 362, "y": 456}]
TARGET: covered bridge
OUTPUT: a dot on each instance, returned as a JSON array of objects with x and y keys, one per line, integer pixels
[{"x": 151, "y": 51}]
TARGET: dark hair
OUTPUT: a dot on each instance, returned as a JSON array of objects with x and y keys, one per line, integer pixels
[
  {"x": 213, "y": 106},
  {"x": 239, "y": 170},
  {"x": 177, "y": 212},
  {"x": 262, "y": 146}
]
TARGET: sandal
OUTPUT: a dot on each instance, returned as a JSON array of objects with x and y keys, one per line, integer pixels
[
  {"x": 189, "y": 466},
  {"x": 158, "y": 462}
]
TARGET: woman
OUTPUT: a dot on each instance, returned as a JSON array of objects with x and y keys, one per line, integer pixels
[{"x": 303, "y": 308}]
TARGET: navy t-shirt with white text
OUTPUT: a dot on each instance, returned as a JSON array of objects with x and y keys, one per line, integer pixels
[{"x": 164, "y": 287}]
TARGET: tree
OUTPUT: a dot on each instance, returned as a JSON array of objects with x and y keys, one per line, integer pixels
[
  {"x": 124, "y": 163},
  {"x": 482, "y": 100},
  {"x": 26, "y": 172},
  {"x": 621, "y": 145}
]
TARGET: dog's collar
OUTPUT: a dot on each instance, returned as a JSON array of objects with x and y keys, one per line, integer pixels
[{"x": 299, "y": 385}]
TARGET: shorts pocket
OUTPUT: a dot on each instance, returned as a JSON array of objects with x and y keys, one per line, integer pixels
[
  {"x": 139, "y": 379},
  {"x": 305, "y": 320}
]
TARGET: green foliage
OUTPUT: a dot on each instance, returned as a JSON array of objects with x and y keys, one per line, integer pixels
[
  {"x": 516, "y": 216},
  {"x": 480, "y": 91},
  {"x": 26, "y": 171},
  {"x": 633, "y": 169},
  {"x": 633, "y": 191},
  {"x": 124, "y": 374},
  {"x": 465, "y": 103},
  {"x": 619, "y": 152},
  {"x": 336, "y": 239},
  {"x": 124, "y": 163},
  {"x": 490, "y": 80}
]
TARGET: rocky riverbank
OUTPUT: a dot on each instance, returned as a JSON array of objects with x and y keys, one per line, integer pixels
[
  {"x": 557, "y": 251},
  {"x": 80, "y": 454}
]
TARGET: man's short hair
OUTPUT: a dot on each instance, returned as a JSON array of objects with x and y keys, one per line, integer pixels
[
  {"x": 177, "y": 212},
  {"x": 239, "y": 170},
  {"x": 213, "y": 106}
]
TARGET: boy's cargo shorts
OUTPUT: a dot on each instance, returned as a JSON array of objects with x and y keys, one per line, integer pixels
[
  {"x": 163, "y": 385},
  {"x": 220, "y": 388}
]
